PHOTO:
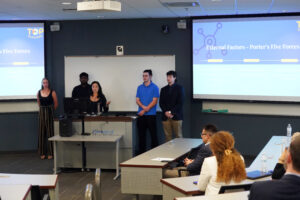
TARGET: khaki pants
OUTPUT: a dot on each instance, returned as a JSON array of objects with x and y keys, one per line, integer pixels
[
  {"x": 172, "y": 173},
  {"x": 172, "y": 126}
]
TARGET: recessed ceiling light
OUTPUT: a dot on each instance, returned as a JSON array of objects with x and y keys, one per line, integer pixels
[
  {"x": 284, "y": 10},
  {"x": 66, "y": 3}
]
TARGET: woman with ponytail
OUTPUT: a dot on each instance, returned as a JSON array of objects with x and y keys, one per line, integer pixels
[{"x": 226, "y": 166}]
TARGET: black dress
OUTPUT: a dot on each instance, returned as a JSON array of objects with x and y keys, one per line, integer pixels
[{"x": 46, "y": 127}]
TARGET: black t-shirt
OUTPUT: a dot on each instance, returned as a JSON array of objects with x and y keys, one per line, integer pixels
[{"x": 82, "y": 91}]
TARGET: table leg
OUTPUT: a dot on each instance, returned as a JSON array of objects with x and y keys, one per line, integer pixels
[
  {"x": 117, "y": 160},
  {"x": 83, "y": 156},
  {"x": 55, "y": 157}
]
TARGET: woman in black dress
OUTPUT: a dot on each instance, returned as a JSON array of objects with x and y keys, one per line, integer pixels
[
  {"x": 98, "y": 101},
  {"x": 47, "y": 101}
]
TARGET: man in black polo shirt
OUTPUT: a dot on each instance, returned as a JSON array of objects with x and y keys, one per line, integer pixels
[
  {"x": 171, "y": 103},
  {"x": 84, "y": 90}
]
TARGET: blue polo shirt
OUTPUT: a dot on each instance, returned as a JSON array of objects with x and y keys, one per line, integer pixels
[{"x": 146, "y": 95}]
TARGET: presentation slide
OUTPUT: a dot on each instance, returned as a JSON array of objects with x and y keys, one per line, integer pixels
[
  {"x": 254, "y": 59},
  {"x": 21, "y": 60}
]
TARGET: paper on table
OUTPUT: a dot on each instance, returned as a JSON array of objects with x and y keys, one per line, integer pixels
[{"x": 162, "y": 159}]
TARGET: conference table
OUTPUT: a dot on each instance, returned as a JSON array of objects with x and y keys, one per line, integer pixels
[
  {"x": 178, "y": 187},
  {"x": 44, "y": 181},
  {"x": 15, "y": 192},
  {"x": 142, "y": 174},
  {"x": 271, "y": 151},
  {"x": 226, "y": 196},
  {"x": 184, "y": 186}
]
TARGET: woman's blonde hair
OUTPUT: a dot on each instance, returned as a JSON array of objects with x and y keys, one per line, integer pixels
[{"x": 230, "y": 164}]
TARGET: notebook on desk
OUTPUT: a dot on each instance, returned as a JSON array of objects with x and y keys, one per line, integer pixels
[{"x": 256, "y": 174}]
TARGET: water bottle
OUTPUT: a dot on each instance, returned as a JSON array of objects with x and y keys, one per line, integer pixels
[
  {"x": 288, "y": 134},
  {"x": 264, "y": 163}
]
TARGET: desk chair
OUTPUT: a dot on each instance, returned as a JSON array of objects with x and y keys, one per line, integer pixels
[
  {"x": 97, "y": 190},
  {"x": 39, "y": 194},
  {"x": 46, "y": 197},
  {"x": 183, "y": 172},
  {"x": 88, "y": 195},
  {"x": 235, "y": 188}
]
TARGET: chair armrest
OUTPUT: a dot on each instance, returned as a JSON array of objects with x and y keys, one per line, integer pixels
[{"x": 180, "y": 171}]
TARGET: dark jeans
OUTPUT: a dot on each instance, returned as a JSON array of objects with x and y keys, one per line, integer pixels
[{"x": 143, "y": 124}]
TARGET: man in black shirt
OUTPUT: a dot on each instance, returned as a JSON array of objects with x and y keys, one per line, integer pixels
[
  {"x": 84, "y": 90},
  {"x": 171, "y": 103}
]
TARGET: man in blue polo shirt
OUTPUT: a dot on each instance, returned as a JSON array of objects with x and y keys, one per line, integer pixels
[{"x": 146, "y": 98}]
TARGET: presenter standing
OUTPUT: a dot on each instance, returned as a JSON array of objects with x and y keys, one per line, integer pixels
[
  {"x": 146, "y": 98},
  {"x": 84, "y": 90},
  {"x": 171, "y": 104},
  {"x": 47, "y": 101},
  {"x": 98, "y": 101}
]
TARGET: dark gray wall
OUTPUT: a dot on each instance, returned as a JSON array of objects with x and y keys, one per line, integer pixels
[
  {"x": 18, "y": 131},
  {"x": 251, "y": 132},
  {"x": 139, "y": 37}
]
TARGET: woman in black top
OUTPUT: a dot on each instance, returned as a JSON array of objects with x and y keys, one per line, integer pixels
[
  {"x": 47, "y": 101},
  {"x": 97, "y": 99}
]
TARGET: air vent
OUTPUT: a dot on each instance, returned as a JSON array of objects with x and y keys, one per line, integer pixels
[{"x": 181, "y": 4}]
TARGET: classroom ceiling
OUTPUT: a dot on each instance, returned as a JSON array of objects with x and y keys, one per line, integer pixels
[{"x": 58, "y": 10}]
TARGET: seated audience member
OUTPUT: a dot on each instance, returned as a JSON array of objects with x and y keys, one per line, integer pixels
[
  {"x": 288, "y": 187},
  {"x": 98, "y": 101},
  {"x": 84, "y": 89},
  {"x": 279, "y": 170},
  {"x": 225, "y": 167},
  {"x": 193, "y": 163}
]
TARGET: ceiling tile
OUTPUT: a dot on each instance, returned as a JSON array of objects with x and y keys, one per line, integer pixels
[{"x": 53, "y": 9}]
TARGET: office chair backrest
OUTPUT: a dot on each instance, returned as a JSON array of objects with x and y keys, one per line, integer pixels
[
  {"x": 97, "y": 189},
  {"x": 46, "y": 197},
  {"x": 88, "y": 195},
  {"x": 235, "y": 188}
]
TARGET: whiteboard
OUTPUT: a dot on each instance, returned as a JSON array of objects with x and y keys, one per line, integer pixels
[
  {"x": 254, "y": 108},
  {"x": 119, "y": 76}
]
